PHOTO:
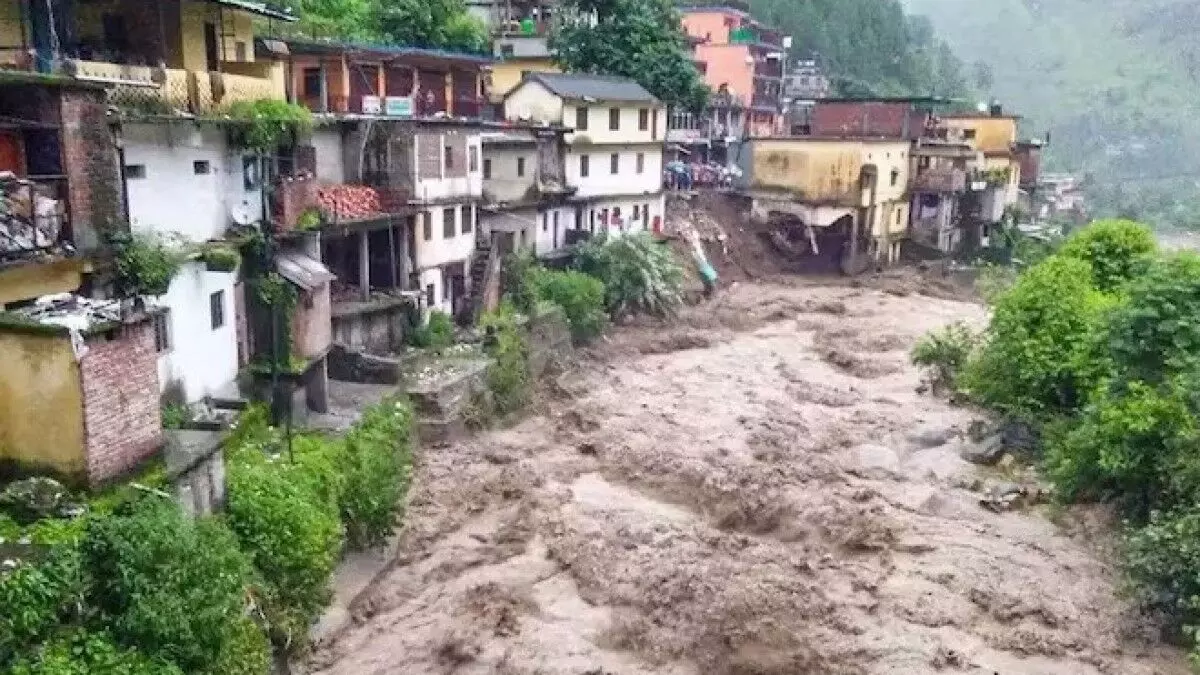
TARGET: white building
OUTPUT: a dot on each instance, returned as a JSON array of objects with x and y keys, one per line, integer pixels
[
  {"x": 183, "y": 182},
  {"x": 524, "y": 188},
  {"x": 614, "y": 155}
]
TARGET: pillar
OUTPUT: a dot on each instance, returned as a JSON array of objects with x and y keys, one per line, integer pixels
[
  {"x": 317, "y": 391},
  {"x": 364, "y": 265}
]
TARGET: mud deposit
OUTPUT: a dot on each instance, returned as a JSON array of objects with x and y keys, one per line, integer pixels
[{"x": 756, "y": 489}]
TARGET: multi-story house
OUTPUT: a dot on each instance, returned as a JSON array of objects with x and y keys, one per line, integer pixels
[
  {"x": 740, "y": 56},
  {"x": 524, "y": 189},
  {"x": 614, "y": 158},
  {"x": 519, "y": 32},
  {"x": 803, "y": 86},
  {"x": 846, "y": 198},
  {"x": 398, "y": 175}
]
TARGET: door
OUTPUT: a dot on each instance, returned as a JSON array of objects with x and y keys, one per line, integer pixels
[
  {"x": 11, "y": 158},
  {"x": 211, "y": 54}
]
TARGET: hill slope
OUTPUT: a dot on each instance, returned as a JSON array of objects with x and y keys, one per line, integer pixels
[{"x": 1115, "y": 81}]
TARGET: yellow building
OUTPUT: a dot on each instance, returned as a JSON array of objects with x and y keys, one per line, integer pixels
[
  {"x": 994, "y": 135},
  {"x": 506, "y": 74},
  {"x": 853, "y": 189},
  {"x": 159, "y": 56}
]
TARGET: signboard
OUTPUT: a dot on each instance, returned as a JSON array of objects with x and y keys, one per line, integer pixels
[
  {"x": 398, "y": 106},
  {"x": 372, "y": 105}
]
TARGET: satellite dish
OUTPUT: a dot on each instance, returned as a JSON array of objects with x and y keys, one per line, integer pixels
[{"x": 242, "y": 214}]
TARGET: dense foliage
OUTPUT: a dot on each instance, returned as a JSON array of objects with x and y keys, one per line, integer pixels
[
  {"x": 1156, "y": 333},
  {"x": 430, "y": 23},
  {"x": 639, "y": 39},
  {"x": 86, "y": 653},
  {"x": 508, "y": 377},
  {"x": 1117, "y": 250},
  {"x": 376, "y": 464},
  {"x": 37, "y": 597},
  {"x": 146, "y": 264},
  {"x": 640, "y": 274},
  {"x": 581, "y": 297},
  {"x": 263, "y": 125},
  {"x": 437, "y": 333},
  {"x": 867, "y": 46},
  {"x": 943, "y": 354}
]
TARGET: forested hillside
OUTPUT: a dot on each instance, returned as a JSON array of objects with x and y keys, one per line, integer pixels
[
  {"x": 868, "y": 46},
  {"x": 1115, "y": 81}
]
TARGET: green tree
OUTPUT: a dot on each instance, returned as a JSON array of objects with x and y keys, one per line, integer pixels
[
  {"x": 1155, "y": 334},
  {"x": 430, "y": 23},
  {"x": 1117, "y": 250},
  {"x": 639, "y": 39},
  {"x": 336, "y": 19}
]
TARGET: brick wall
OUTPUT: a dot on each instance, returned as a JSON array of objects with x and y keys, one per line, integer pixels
[
  {"x": 120, "y": 402},
  {"x": 867, "y": 119},
  {"x": 456, "y": 145},
  {"x": 90, "y": 163},
  {"x": 429, "y": 156}
]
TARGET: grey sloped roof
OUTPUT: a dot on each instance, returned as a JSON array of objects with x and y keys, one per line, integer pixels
[{"x": 576, "y": 86}]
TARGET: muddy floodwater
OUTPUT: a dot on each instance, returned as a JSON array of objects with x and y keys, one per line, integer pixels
[{"x": 757, "y": 488}]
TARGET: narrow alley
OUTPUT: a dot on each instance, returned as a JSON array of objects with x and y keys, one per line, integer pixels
[{"x": 756, "y": 488}]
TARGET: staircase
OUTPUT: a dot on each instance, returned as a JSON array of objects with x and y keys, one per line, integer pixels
[{"x": 485, "y": 276}]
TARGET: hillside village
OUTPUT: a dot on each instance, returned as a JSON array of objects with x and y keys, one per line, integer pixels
[{"x": 212, "y": 226}]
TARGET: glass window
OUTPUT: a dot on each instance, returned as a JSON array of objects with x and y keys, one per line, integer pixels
[
  {"x": 581, "y": 118},
  {"x": 448, "y": 223},
  {"x": 216, "y": 309},
  {"x": 614, "y": 119}
]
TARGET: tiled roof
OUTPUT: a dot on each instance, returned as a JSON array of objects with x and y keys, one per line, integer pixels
[{"x": 577, "y": 86}]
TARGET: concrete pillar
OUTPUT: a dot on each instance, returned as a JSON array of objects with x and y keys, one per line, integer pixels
[
  {"x": 364, "y": 265},
  {"x": 405, "y": 255},
  {"x": 317, "y": 391}
]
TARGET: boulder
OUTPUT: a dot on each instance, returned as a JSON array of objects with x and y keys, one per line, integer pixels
[
  {"x": 33, "y": 499},
  {"x": 986, "y": 452}
]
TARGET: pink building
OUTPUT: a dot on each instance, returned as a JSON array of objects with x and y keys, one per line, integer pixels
[{"x": 741, "y": 56}]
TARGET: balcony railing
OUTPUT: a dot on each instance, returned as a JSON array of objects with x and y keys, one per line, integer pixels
[{"x": 167, "y": 90}]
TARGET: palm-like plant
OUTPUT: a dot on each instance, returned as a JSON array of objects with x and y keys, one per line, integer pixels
[{"x": 640, "y": 275}]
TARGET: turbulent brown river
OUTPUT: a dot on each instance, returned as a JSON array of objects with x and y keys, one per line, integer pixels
[{"x": 757, "y": 488}]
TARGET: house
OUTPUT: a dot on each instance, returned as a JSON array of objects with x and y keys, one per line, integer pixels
[
  {"x": 994, "y": 135},
  {"x": 155, "y": 56},
  {"x": 740, "y": 56},
  {"x": 712, "y": 135},
  {"x": 872, "y": 117},
  {"x": 847, "y": 196},
  {"x": 79, "y": 387},
  {"x": 519, "y": 32},
  {"x": 524, "y": 189},
  {"x": 945, "y": 171},
  {"x": 614, "y": 158}
]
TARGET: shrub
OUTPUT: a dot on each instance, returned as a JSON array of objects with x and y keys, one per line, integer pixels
[
  {"x": 377, "y": 463},
  {"x": 145, "y": 264},
  {"x": 220, "y": 258},
  {"x": 291, "y": 533},
  {"x": 508, "y": 377},
  {"x": 84, "y": 653},
  {"x": 168, "y": 585},
  {"x": 943, "y": 353},
  {"x": 436, "y": 334},
  {"x": 1117, "y": 251},
  {"x": 519, "y": 268},
  {"x": 1155, "y": 334},
  {"x": 247, "y": 651},
  {"x": 581, "y": 297},
  {"x": 994, "y": 281},
  {"x": 1161, "y": 559},
  {"x": 1033, "y": 360},
  {"x": 639, "y": 274},
  {"x": 1125, "y": 445},
  {"x": 36, "y": 597}
]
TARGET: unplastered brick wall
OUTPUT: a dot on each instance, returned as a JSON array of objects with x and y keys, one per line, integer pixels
[
  {"x": 90, "y": 162},
  {"x": 429, "y": 156},
  {"x": 120, "y": 401}
]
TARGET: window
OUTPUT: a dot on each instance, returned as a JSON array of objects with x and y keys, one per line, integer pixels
[
  {"x": 545, "y": 222},
  {"x": 427, "y": 226},
  {"x": 468, "y": 219},
  {"x": 487, "y": 168},
  {"x": 895, "y": 176},
  {"x": 614, "y": 119},
  {"x": 239, "y": 51},
  {"x": 473, "y": 159},
  {"x": 556, "y": 229},
  {"x": 506, "y": 51},
  {"x": 312, "y": 83},
  {"x": 216, "y": 309},
  {"x": 969, "y": 134},
  {"x": 201, "y": 167},
  {"x": 449, "y": 158},
  {"x": 520, "y": 166},
  {"x": 135, "y": 171},
  {"x": 430, "y": 298},
  {"x": 635, "y": 212},
  {"x": 583, "y": 166},
  {"x": 616, "y": 213},
  {"x": 614, "y": 162},
  {"x": 641, "y": 163},
  {"x": 898, "y": 214},
  {"x": 643, "y": 119},
  {"x": 581, "y": 118},
  {"x": 448, "y": 224},
  {"x": 162, "y": 331},
  {"x": 604, "y": 217}
]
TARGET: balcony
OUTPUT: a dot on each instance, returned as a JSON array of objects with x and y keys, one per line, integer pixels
[
  {"x": 942, "y": 180},
  {"x": 167, "y": 90}
]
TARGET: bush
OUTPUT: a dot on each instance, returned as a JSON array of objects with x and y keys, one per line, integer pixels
[
  {"x": 1033, "y": 362},
  {"x": 1117, "y": 251},
  {"x": 377, "y": 463},
  {"x": 581, "y": 297},
  {"x": 84, "y": 653},
  {"x": 436, "y": 334},
  {"x": 36, "y": 597},
  {"x": 1155, "y": 334},
  {"x": 508, "y": 376},
  {"x": 292, "y": 534},
  {"x": 943, "y": 353},
  {"x": 1161, "y": 559},
  {"x": 639, "y": 274},
  {"x": 169, "y": 586},
  {"x": 520, "y": 266}
]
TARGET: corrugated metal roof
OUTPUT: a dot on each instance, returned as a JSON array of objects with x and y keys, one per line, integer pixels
[
  {"x": 577, "y": 86},
  {"x": 259, "y": 8},
  {"x": 305, "y": 272},
  {"x": 301, "y": 46}
]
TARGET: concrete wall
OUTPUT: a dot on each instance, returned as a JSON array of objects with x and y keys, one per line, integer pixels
[
  {"x": 331, "y": 157},
  {"x": 710, "y": 23},
  {"x": 628, "y": 129},
  {"x": 239, "y": 27},
  {"x": 627, "y": 180},
  {"x": 439, "y": 249},
  {"x": 507, "y": 74},
  {"x": 169, "y": 152},
  {"x": 532, "y": 101},
  {"x": 828, "y": 171},
  {"x": 10, "y": 30},
  {"x": 726, "y": 65},
  {"x": 456, "y": 178},
  {"x": 202, "y": 359},
  {"x": 41, "y": 403},
  {"x": 884, "y": 119},
  {"x": 26, "y": 282},
  {"x": 121, "y": 402},
  {"x": 504, "y": 183},
  {"x": 375, "y": 330},
  {"x": 992, "y": 134},
  {"x": 311, "y": 330}
]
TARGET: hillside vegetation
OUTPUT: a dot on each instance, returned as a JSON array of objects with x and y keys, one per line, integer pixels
[{"x": 1114, "y": 81}]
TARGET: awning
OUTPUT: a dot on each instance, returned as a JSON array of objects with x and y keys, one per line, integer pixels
[{"x": 303, "y": 271}]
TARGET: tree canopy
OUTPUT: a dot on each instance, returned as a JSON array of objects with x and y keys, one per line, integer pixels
[
  {"x": 425, "y": 23},
  {"x": 639, "y": 39}
]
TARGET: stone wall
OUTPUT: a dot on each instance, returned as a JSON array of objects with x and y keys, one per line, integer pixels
[
  {"x": 121, "y": 414},
  {"x": 195, "y": 466}
]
